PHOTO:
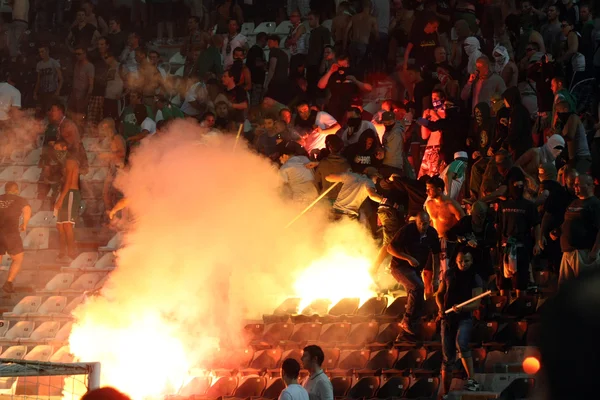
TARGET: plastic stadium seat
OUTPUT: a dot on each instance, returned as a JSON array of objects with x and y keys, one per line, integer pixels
[
  {"x": 335, "y": 332},
  {"x": 267, "y": 27},
  {"x": 274, "y": 388},
  {"x": 265, "y": 359},
  {"x": 60, "y": 281},
  {"x": 308, "y": 331},
  {"x": 43, "y": 219},
  {"x": 53, "y": 304},
  {"x": 31, "y": 174},
  {"x": 427, "y": 330},
  {"x": 247, "y": 28},
  {"x": 361, "y": 334},
  {"x": 341, "y": 385},
  {"x": 106, "y": 262},
  {"x": 15, "y": 352},
  {"x": 11, "y": 173},
  {"x": 251, "y": 385},
  {"x": 332, "y": 357},
  {"x": 28, "y": 304},
  {"x": 36, "y": 205},
  {"x": 223, "y": 386},
  {"x": 388, "y": 332},
  {"x": 382, "y": 359},
  {"x": 63, "y": 333},
  {"x": 85, "y": 282},
  {"x": 33, "y": 157},
  {"x": 289, "y": 306},
  {"x": 364, "y": 388},
  {"x": 196, "y": 387},
  {"x": 66, "y": 312},
  {"x": 253, "y": 332},
  {"x": 29, "y": 191},
  {"x": 275, "y": 333},
  {"x": 284, "y": 28},
  {"x": 424, "y": 387},
  {"x": 295, "y": 354},
  {"x": 497, "y": 304},
  {"x": 432, "y": 362},
  {"x": 512, "y": 333},
  {"x": 46, "y": 330},
  {"x": 521, "y": 307},
  {"x": 39, "y": 353},
  {"x": 62, "y": 355},
  {"x": 484, "y": 332},
  {"x": 231, "y": 359},
  {"x": 393, "y": 387},
  {"x": 346, "y": 306},
  {"x": 20, "y": 330},
  {"x": 37, "y": 239},
  {"x": 353, "y": 359},
  {"x": 85, "y": 260},
  {"x": 3, "y": 328},
  {"x": 114, "y": 243},
  {"x": 373, "y": 306},
  {"x": 397, "y": 308},
  {"x": 410, "y": 359},
  {"x": 319, "y": 307}
]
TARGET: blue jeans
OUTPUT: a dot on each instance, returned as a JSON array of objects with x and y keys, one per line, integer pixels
[
  {"x": 456, "y": 334},
  {"x": 410, "y": 278}
]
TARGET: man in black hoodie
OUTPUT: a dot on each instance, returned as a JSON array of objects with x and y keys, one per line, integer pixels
[
  {"x": 367, "y": 152},
  {"x": 519, "y": 138}
]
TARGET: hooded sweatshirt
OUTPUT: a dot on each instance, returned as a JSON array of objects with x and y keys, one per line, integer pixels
[
  {"x": 519, "y": 129},
  {"x": 299, "y": 179},
  {"x": 473, "y": 50},
  {"x": 483, "y": 133},
  {"x": 359, "y": 156},
  {"x": 332, "y": 164}
]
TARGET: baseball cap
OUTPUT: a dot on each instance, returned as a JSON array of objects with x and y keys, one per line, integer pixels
[{"x": 388, "y": 118}]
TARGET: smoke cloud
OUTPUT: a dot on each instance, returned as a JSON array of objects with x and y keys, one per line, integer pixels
[{"x": 206, "y": 251}]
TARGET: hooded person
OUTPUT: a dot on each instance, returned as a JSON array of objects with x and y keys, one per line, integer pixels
[
  {"x": 504, "y": 67},
  {"x": 367, "y": 152},
  {"x": 519, "y": 138},
  {"x": 454, "y": 175},
  {"x": 473, "y": 50},
  {"x": 294, "y": 173},
  {"x": 547, "y": 153},
  {"x": 483, "y": 131},
  {"x": 333, "y": 163}
]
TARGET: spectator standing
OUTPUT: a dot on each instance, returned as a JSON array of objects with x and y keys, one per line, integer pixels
[
  {"x": 319, "y": 38},
  {"x": 195, "y": 37},
  {"x": 393, "y": 145},
  {"x": 356, "y": 188},
  {"x": 127, "y": 57},
  {"x": 18, "y": 26},
  {"x": 256, "y": 63},
  {"x": 290, "y": 371},
  {"x": 355, "y": 126},
  {"x": 381, "y": 11},
  {"x": 12, "y": 206},
  {"x": 519, "y": 138},
  {"x": 482, "y": 84},
  {"x": 93, "y": 19},
  {"x": 209, "y": 62},
  {"x": 505, "y": 67},
  {"x": 580, "y": 232},
  {"x": 237, "y": 98},
  {"x": 574, "y": 134},
  {"x": 83, "y": 83},
  {"x": 82, "y": 34},
  {"x": 49, "y": 79},
  {"x": 460, "y": 283},
  {"x": 317, "y": 384},
  {"x": 410, "y": 249},
  {"x": 233, "y": 40},
  {"x": 277, "y": 73},
  {"x": 551, "y": 31},
  {"x": 227, "y": 11},
  {"x": 117, "y": 39},
  {"x": 296, "y": 40},
  {"x": 114, "y": 88},
  {"x": 422, "y": 41},
  {"x": 95, "y": 110}
]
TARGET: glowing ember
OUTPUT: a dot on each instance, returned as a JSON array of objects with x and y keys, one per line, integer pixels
[
  {"x": 334, "y": 277},
  {"x": 145, "y": 357}
]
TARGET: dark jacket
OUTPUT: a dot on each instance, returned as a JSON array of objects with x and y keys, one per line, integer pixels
[{"x": 332, "y": 164}]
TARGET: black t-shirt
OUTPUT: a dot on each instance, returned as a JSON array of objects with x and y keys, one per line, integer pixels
[
  {"x": 459, "y": 288},
  {"x": 486, "y": 240},
  {"x": 255, "y": 54},
  {"x": 424, "y": 45},
  {"x": 83, "y": 36},
  {"x": 236, "y": 95},
  {"x": 281, "y": 69},
  {"x": 117, "y": 42},
  {"x": 10, "y": 211},
  {"x": 516, "y": 218},
  {"x": 342, "y": 92},
  {"x": 582, "y": 222},
  {"x": 410, "y": 241},
  {"x": 100, "y": 78}
]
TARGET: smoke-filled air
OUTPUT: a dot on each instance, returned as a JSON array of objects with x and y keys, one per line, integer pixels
[{"x": 207, "y": 250}]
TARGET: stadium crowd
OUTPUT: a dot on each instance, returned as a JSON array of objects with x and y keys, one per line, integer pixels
[{"x": 479, "y": 167}]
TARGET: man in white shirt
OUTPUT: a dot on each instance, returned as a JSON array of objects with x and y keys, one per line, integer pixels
[
  {"x": 10, "y": 99},
  {"x": 195, "y": 102},
  {"x": 233, "y": 40},
  {"x": 355, "y": 126},
  {"x": 290, "y": 370},
  {"x": 314, "y": 126},
  {"x": 317, "y": 384}
]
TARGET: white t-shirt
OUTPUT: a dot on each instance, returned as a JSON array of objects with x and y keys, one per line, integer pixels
[
  {"x": 294, "y": 392},
  {"x": 238, "y": 41},
  {"x": 353, "y": 193},
  {"x": 196, "y": 93},
  {"x": 9, "y": 97},
  {"x": 353, "y": 138},
  {"x": 316, "y": 140},
  {"x": 149, "y": 125}
]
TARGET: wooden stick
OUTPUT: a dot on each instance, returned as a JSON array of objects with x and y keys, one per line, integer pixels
[
  {"x": 237, "y": 138},
  {"x": 311, "y": 205},
  {"x": 481, "y": 296}
]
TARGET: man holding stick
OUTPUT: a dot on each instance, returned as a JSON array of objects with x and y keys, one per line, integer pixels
[{"x": 460, "y": 284}]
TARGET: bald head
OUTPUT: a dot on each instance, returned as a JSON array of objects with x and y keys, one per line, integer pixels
[{"x": 423, "y": 221}]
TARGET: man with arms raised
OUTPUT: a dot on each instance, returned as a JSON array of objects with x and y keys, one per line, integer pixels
[
  {"x": 11, "y": 208},
  {"x": 445, "y": 212},
  {"x": 67, "y": 204},
  {"x": 317, "y": 384}
]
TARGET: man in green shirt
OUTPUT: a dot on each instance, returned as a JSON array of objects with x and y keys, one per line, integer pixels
[
  {"x": 209, "y": 60},
  {"x": 165, "y": 111},
  {"x": 130, "y": 125}
]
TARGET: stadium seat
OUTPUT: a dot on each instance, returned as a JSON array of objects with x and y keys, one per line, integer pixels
[
  {"x": 3, "y": 328},
  {"x": 228, "y": 359},
  {"x": 52, "y": 305},
  {"x": 274, "y": 388},
  {"x": 33, "y": 157},
  {"x": 510, "y": 334},
  {"x": 381, "y": 359},
  {"x": 267, "y": 27},
  {"x": 247, "y": 28},
  {"x": 273, "y": 334},
  {"x": 410, "y": 359},
  {"x": 35, "y": 204},
  {"x": 29, "y": 191},
  {"x": 223, "y": 386},
  {"x": 341, "y": 385},
  {"x": 332, "y": 357},
  {"x": 20, "y": 330},
  {"x": 305, "y": 332},
  {"x": 11, "y": 173},
  {"x": 249, "y": 386},
  {"x": 46, "y": 330},
  {"x": 85, "y": 282},
  {"x": 62, "y": 355},
  {"x": 43, "y": 219},
  {"x": 393, "y": 387},
  {"x": 423, "y": 388},
  {"x": 431, "y": 364},
  {"x": 396, "y": 309},
  {"x": 361, "y": 334},
  {"x": 28, "y": 304},
  {"x": 353, "y": 359},
  {"x": 520, "y": 388},
  {"x": 496, "y": 306},
  {"x": 106, "y": 263},
  {"x": 37, "y": 239},
  {"x": 39, "y": 353},
  {"x": 84, "y": 261},
  {"x": 318, "y": 307},
  {"x": 31, "y": 174},
  {"x": 288, "y": 307},
  {"x": 295, "y": 354},
  {"x": 114, "y": 243},
  {"x": 284, "y": 28},
  {"x": 252, "y": 332},
  {"x": 373, "y": 306},
  {"x": 388, "y": 333},
  {"x": 14, "y": 352},
  {"x": 335, "y": 332},
  {"x": 60, "y": 281},
  {"x": 521, "y": 307},
  {"x": 63, "y": 333},
  {"x": 484, "y": 332},
  {"x": 427, "y": 331},
  {"x": 196, "y": 387},
  {"x": 346, "y": 306},
  {"x": 364, "y": 388},
  {"x": 496, "y": 361},
  {"x": 265, "y": 359},
  {"x": 66, "y": 312}
]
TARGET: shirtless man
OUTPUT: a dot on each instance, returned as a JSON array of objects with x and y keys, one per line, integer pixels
[
  {"x": 445, "y": 213},
  {"x": 359, "y": 31},
  {"x": 67, "y": 204}
]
